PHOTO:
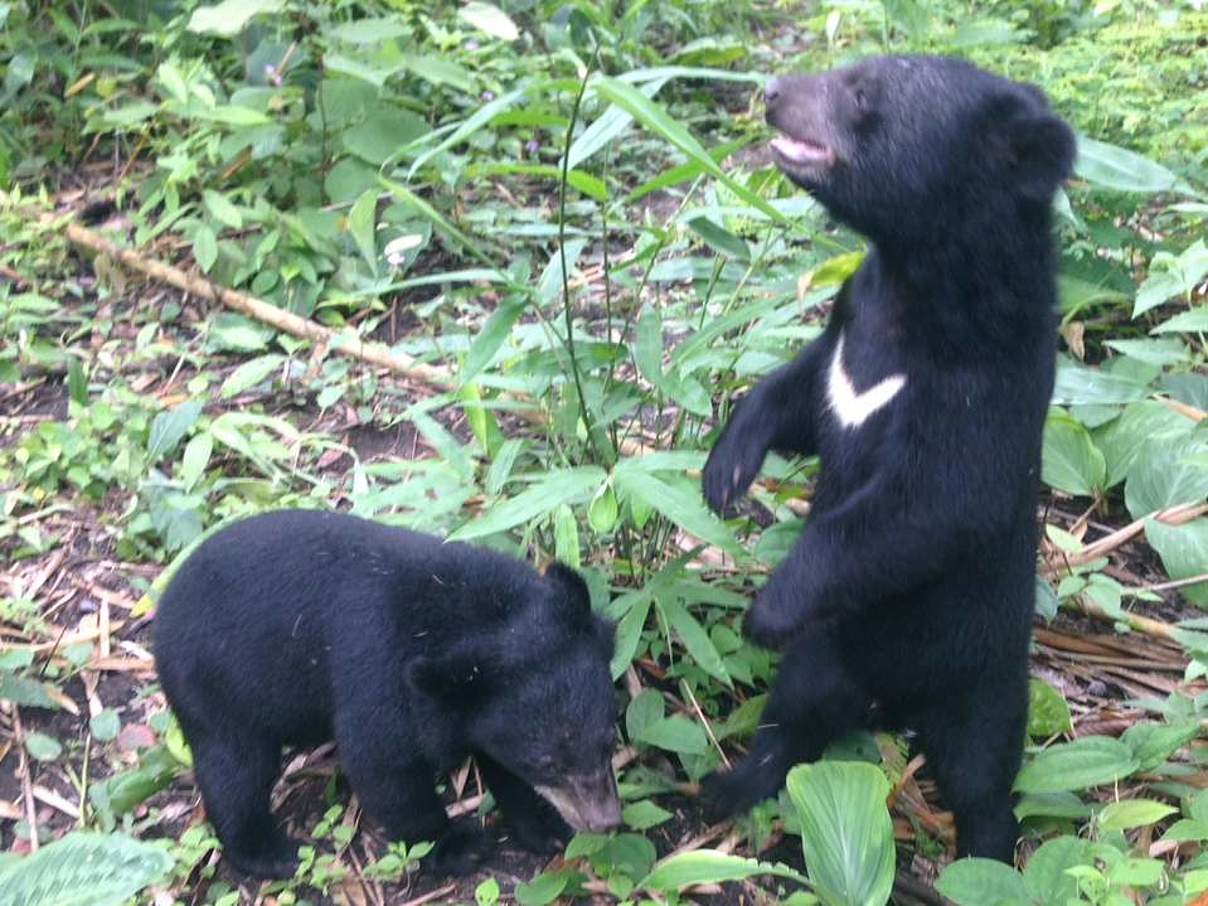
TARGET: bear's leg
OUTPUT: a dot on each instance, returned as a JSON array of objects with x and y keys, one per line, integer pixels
[
  {"x": 815, "y": 699},
  {"x": 973, "y": 746},
  {"x": 236, "y": 778},
  {"x": 535, "y": 824},
  {"x": 398, "y": 791}
]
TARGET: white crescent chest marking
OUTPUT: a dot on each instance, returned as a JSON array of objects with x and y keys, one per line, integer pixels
[{"x": 852, "y": 408}]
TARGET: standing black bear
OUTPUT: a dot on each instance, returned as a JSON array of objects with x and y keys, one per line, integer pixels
[
  {"x": 908, "y": 599},
  {"x": 296, "y": 627}
]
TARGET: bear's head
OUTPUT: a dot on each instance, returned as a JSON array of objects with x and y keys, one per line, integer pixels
[
  {"x": 536, "y": 695},
  {"x": 909, "y": 149}
]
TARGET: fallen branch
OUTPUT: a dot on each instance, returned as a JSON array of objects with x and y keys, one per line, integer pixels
[{"x": 1175, "y": 515}]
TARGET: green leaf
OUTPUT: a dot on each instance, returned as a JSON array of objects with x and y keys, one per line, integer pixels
[
  {"x": 629, "y": 636},
  {"x": 77, "y": 382},
  {"x": 707, "y": 866},
  {"x": 656, "y": 118},
  {"x": 1167, "y": 473},
  {"x": 497, "y": 329},
  {"x": 1171, "y": 275},
  {"x": 222, "y": 210},
  {"x": 251, "y": 373},
  {"x": 1078, "y": 765},
  {"x": 1153, "y": 743},
  {"x": 982, "y": 882},
  {"x": 1193, "y": 321},
  {"x": 105, "y": 726},
  {"x": 489, "y": 18},
  {"x": 1123, "y": 439},
  {"x": 603, "y": 510},
  {"x": 566, "y": 536},
  {"x": 28, "y": 693},
  {"x": 42, "y": 747},
  {"x": 1048, "y": 713},
  {"x": 846, "y": 831},
  {"x": 83, "y": 869},
  {"x": 1046, "y": 875},
  {"x": 564, "y": 486},
  {"x": 675, "y": 734},
  {"x": 383, "y": 132},
  {"x": 543, "y": 889},
  {"x": 1112, "y": 167},
  {"x": 644, "y": 815},
  {"x": 205, "y": 247},
  {"x": 487, "y": 893},
  {"x": 685, "y": 509},
  {"x": 694, "y": 639},
  {"x": 170, "y": 426},
  {"x": 362, "y": 227},
  {"x": 720, "y": 239},
  {"x": 1071, "y": 462},
  {"x": 1184, "y": 553},
  {"x": 229, "y": 17},
  {"x": 648, "y": 345},
  {"x": 1129, "y": 813},
  {"x": 646, "y": 708}
]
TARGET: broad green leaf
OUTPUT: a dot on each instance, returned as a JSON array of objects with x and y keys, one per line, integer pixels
[
  {"x": 1153, "y": 743},
  {"x": 488, "y": 342},
  {"x": 1071, "y": 461},
  {"x": 1162, "y": 352},
  {"x": 1084, "y": 763},
  {"x": 20, "y": 690},
  {"x": 1193, "y": 321},
  {"x": 205, "y": 247},
  {"x": 1112, "y": 167},
  {"x": 1167, "y": 473},
  {"x": 646, "y": 708},
  {"x": 603, "y": 510},
  {"x": 629, "y": 636},
  {"x": 1046, "y": 876},
  {"x": 675, "y": 734},
  {"x": 383, "y": 133},
  {"x": 685, "y": 509},
  {"x": 707, "y": 866},
  {"x": 648, "y": 345},
  {"x": 502, "y": 465},
  {"x": 251, "y": 373},
  {"x": 543, "y": 889},
  {"x": 42, "y": 747},
  {"x": 222, "y": 210},
  {"x": 440, "y": 71},
  {"x": 362, "y": 226},
  {"x": 195, "y": 459},
  {"x": 1184, "y": 553},
  {"x": 489, "y": 18},
  {"x": 573, "y": 485},
  {"x": 644, "y": 815},
  {"x": 1129, "y": 813},
  {"x": 1123, "y": 439},
  {"x": 1078, "y": 385},
  {"x": 846, "y": 831},
  {"x": 1170, "y": 275},
  {"x": 1048, "y": 713},
  {"x": 83, "y": 869},
  {"x": 105, "y": 726},
  {"x": 982, "y": 882},
  {"x": 229, "y": 17},
  {"x": 566, "y": 536},
  {"x": 694, "y": 638},
  {"x": 479, "y": 120},
  {"x": 170, "y": 426},
  {"x": 720, "y": 239}
]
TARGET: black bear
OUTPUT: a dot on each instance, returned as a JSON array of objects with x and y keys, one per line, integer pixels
[
  {"x": 297, "y": 627},
  {"x": 907, "y": 601}
]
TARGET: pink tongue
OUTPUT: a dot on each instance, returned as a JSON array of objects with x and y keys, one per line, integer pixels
[{"x": 798, "y": 152}]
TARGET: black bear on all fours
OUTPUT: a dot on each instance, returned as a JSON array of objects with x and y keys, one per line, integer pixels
[
  {"x": 296, "y": 627},
  {"x": 908, "y": 599}
]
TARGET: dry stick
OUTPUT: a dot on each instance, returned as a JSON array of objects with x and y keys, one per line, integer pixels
[
  {"x": 25, "y": 766},
  {"x": 1175, "y": 515},
  {"x": 344, "y": 343}
]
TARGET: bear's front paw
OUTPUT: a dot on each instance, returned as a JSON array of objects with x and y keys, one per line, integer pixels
[
  {"x": 732, "y": 466},
  {"x": 540, "y": 833},
  {"x": 461, "y": 850},
  {"x": 277, "y": 858},
  {"x": 730, "y": 793},
  {"x": 769, "y": 627}
]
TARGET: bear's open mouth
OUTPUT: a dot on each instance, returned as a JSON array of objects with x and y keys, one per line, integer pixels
[{"x": 797, "y": 152}]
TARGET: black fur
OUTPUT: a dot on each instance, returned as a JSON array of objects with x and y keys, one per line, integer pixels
[
  {"x": 297, "y": 627},
  {"x": 908, "y": 599}
]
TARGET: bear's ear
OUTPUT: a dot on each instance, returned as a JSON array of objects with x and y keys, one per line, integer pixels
[
  {"x": 1043, "y": 152},
  {"x": 1038, "y": 146},
  {"x": 456, "y": 678},
  {"x": 578, "y": 597}
]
